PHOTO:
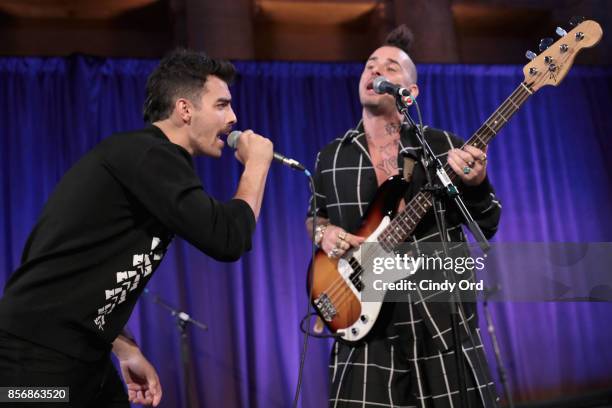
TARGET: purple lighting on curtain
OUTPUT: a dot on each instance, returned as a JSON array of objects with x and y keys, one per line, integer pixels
[{"x": 551, "y": 166}]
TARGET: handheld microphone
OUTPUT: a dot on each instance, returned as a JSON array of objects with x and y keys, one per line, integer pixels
[
  {"x": 232, "y": 141},
  {"x": 382, "y": 86}
]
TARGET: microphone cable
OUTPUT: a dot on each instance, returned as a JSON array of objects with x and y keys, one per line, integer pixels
[
  {"x": 308, "y": 316},
  {"x": 310, "y": 281}
]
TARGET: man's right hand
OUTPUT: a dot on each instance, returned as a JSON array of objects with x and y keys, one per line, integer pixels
[
  {"x": 254, "y": 149},
  {"x": 336, "y": 241},
  {"x": 255, "y": 152}
]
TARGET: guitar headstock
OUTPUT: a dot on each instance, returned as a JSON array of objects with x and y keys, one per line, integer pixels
[{"x": 551, "y": 66}]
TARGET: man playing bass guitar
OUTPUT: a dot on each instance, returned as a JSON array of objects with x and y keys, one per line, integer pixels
[{"x": 407, "y": 359}]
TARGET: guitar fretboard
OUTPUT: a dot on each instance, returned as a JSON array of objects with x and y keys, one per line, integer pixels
[{"x": 406, "y": 221}]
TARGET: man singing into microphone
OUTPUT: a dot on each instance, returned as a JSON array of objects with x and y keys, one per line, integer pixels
[
  {"x": 408, "y": 358},
  {"x": 105, "y": 230}
]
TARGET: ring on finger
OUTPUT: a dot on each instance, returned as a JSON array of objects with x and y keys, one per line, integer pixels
[
  {"x": 342, "y": 235},
  {"x": 332, "y": 253},
  {"x": 467, "y": 170}
]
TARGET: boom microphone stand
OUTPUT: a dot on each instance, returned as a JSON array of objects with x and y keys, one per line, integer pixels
[
  {"x": 183, "y": 320},
  {"x": 447, "y": 189},
  {"x": 501, "y": 371}
]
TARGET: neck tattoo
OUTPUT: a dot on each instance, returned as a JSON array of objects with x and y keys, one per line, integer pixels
[
  {"x": 393, "y": 128},
  {"x": 384, "y": 150}
]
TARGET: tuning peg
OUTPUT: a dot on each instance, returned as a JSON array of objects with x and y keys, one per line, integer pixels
[
  {"x": 560, "y": 32},
  {"x": 574, "y": 21},
  {"x": 545, "y": 43},
  {"x": 530, "y": 55}
]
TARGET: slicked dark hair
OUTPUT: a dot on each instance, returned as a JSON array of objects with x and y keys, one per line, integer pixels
[
  {"x": 401, "y": 37},
  {"x": 181, "y": 74}
]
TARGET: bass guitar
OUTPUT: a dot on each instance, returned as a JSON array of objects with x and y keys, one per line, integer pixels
[{"x": 337, "y": 284}]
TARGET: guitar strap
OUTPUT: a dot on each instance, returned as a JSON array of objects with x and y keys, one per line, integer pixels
[{"x": 408, "y": 168}]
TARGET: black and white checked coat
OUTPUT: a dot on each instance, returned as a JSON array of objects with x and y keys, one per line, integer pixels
[{"x": 407, "y": 360}]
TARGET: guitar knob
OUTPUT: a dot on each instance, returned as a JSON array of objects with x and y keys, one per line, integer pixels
[
  {"x": 574, "y": 21},
  {"x": 355, "y": 331},
  {"x": 363, "y": 318},
  {"x": 545, "y": 43},
  {"x": 561, "y": 32},
  {"x": 530, "y": 55}
]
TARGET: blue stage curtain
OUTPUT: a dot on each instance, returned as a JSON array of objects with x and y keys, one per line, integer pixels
[{"x": 551, "y": 166}]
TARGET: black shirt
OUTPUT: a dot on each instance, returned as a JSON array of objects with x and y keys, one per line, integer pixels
[{"x": 104, "y": 231}]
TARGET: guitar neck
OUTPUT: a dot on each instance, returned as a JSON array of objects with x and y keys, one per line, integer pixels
[{"x": 406, "y": 221}]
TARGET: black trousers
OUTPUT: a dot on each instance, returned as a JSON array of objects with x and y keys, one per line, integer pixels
[{"x": 91, "y": 384}]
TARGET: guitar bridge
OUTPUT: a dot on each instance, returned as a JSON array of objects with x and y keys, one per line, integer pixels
[{"x": 325, "y": 306}]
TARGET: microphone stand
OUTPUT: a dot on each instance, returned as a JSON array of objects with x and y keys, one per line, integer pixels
[
  {"x": 501, "y": 371},
  {"x": 183, "y": 320},
  {"x": 448, "y": 189}
]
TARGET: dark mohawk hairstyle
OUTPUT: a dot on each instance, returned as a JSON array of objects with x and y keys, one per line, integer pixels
[{"x": 401, "y": 37}]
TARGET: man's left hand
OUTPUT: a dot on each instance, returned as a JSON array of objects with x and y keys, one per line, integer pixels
[
  {"x": 139, "y": 375},
  {"x": 469, "y": 163},
  {"x": 141, "y": 379}
]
